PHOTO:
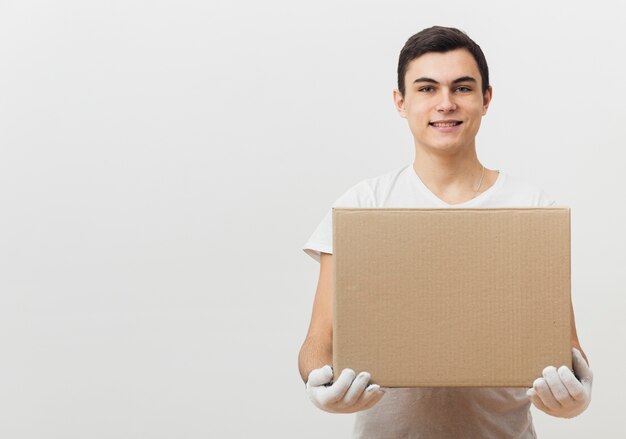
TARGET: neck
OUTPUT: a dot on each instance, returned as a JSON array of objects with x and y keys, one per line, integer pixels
[{"x": 452, "y": 176}]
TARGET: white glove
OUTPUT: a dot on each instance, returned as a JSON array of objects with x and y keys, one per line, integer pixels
[
  {"x": 349, "y": 394},
  {"x": 559, "y": 393}
]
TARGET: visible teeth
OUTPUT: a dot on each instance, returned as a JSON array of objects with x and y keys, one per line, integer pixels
[{"x": 446, "y": 124}]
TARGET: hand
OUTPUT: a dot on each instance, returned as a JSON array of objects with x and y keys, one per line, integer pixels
[
  {"x": 349, "y": 394},
  {"x": 559, "y": 393}
]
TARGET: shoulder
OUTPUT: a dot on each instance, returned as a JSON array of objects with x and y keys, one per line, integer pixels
[
  {"x": 362, "y": 194},
  {"x": 524, "y": 192},
  {"x": 380, "y": 185}
]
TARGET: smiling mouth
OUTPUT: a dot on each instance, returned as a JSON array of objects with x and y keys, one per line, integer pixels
[{"x": 444, "y": 124}]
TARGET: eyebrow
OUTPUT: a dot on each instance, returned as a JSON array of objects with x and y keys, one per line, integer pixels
[{"x": 456, "y": 81}]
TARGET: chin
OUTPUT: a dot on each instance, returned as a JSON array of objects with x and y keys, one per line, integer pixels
[{"x": 450, "y": 148}]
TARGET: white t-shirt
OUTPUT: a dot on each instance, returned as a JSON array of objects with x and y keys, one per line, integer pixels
[{"x": 446, "y": 412}]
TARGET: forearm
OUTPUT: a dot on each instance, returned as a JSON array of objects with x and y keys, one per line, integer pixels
[
  {"x": 574, "y": 334},
  {"x": 316, "y": 351}
]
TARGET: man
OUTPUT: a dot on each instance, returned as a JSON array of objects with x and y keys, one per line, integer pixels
[{"x": 443, "y": 92}]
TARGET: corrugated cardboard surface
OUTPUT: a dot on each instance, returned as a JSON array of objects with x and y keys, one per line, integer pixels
[{"x": 451, "y": 297}]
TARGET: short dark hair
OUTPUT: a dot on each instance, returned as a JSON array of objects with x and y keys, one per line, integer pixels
[{"x": 440, "y": 39}]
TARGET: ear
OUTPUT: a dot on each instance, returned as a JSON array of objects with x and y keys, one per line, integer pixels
[
  {"x": 399, "y": 103},
  {"x": 487, "y": 99}
]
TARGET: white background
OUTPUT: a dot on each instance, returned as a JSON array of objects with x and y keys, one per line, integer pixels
[{"x": 163, "y": 162}]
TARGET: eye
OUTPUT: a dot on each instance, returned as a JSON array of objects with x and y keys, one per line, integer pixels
[
  {"x": 464, "y": 89},
  {"x": 426, "y": 89}
]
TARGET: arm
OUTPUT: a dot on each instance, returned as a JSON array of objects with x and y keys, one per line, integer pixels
[
  {"x": 350, "y": 392},
  {"x": 561, "y": 392},
  {"x": 317, "y": 349},
  {"x": 574, "y": 334}
]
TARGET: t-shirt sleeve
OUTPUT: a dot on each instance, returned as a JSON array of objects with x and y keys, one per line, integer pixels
[{"x": 359, "y": 195}]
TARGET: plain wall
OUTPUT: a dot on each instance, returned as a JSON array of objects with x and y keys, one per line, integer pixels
[{"x": 163, "y": 162}]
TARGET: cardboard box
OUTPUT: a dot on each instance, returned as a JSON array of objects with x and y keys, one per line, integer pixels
[{"x": 451, "y": 297}]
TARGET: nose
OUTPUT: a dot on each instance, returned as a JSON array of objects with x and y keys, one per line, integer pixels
[{"x": 446, "y": 104}]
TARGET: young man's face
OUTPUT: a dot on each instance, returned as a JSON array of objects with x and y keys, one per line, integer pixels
[{"x": 443, "y": 87}]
